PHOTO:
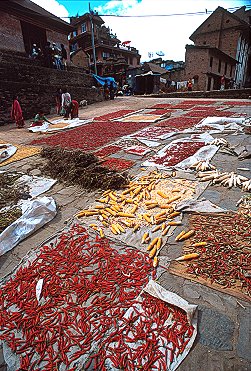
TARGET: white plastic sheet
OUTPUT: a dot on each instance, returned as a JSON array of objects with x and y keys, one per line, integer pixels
[
  {"x": 46, "y": 127},
  {"x": 37, "y": 185},
  {"x": 6, "y": 153},
  {"x": 199, "y": 206},
  {"x": 204, "y": 153},
  {"x": 38, "y": 212}
]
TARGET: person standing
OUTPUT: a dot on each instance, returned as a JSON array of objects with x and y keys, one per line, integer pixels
[
  {"x": 66, "y": 103},
  {"x": 106, "y": 91},
  {"x": 16, "y": 113},
  {"x": 64, "y": 57},
  {"x": 48, "y": 60},
  {"x": 189, "y": 85}
]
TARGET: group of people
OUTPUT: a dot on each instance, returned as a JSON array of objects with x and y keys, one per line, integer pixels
[
  {"x": 51, "y": 55},
  {"x": 65, "y": 106}
]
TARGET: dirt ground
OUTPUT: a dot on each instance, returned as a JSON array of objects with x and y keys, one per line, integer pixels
[{"x": 224, "y": 324}]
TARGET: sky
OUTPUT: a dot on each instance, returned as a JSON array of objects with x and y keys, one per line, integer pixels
[{"x": 151, "y": 34}]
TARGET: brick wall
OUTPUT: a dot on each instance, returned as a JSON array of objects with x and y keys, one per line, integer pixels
[
  {"x": 197, "y": 64},
  {"x": 36, "y": 86},
  {"x": 10, "y": 33}
]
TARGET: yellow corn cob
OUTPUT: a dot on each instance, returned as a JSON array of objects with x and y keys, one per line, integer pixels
[
  {"x": 152, "y": 243},
  {"x": 145, "y": 235},
  {"x": 115, "y": 227},
  {"x": 93, "y": 225},
  {"x": 120, "y": 228},
  {"x": 112, "y": 207},
  {"x": 136, "y": 227},
  {"x": 140, "y": 197},
  {"x": 152, "y": 206},
  {"x": 160, "y": 220},
  {"x": 187, "y": 235},
  {"x": 198, "y": 244},
  {"x": 134, "y": 209},
  {"x": 173, "y": 199},
  {"x": 155, "y": 261},
  {"x": 148, "y": 239},
  {"x": 114, "y": 231},
  {"x": 147, "y": 218},
  {"x": 137, "y": 190},
  {"x": 173, "y": 215},
  {"x": 149, "y": 203},
  {"x": 179, "y": 235},
  {"x": 127, "y": 223},
  {"x": 110, "y": 211},
  {"x": 101, "y": 232},
  {"x": 175, "y": 190},
  {"x": 165, "y": 206},
  {"x": 105, "y": 223},
  {"x": 104, "y": 216},
  {"x": 112, "y": 196},
  {"x": 159, "y": 243},
  {"x": 99, "y": 207},
  {"x": 153, "y": 252},
  {"x": 173, "y": 173},
  {"x": 188, "y": 256},
  {"x": 126, "y": 215},
  {"x": 155, "y": 229},
  {"x": 129, "y": 200},
  {"x": 162, "y": 194},
  {"x": 163, "y": 226},
  {"x": 105, "y": 193},
  {"x": 174, "y": 223},
  {"x": 164, "y": 232},
  {"x": 148, "y": 195},
  {"x": 160, "y": 214}
]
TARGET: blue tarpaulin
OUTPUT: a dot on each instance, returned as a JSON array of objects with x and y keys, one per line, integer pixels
[{"x": 101, "y": 80}]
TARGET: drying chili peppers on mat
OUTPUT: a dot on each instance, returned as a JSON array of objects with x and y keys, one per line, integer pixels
[
  {"x": 150, "y": 336},
  {"x": 88, "y": 285},
  {"x": 87, "y": 312},
  {"x": 180, "y": 123},
  {"x": 176, "y": 152},
  {"x": 113, "y": 115},
  {"x": 91, "y": 136},
  {"x": 224, "y": 254}
]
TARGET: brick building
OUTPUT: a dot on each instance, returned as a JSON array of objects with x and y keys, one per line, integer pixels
[
  {"x": 24, "y": 23},
  {"x": 222, "y": 46},
  {"x": 112, "y": 57}
]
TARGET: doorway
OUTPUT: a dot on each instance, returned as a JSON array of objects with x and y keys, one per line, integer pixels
[{"x": 33, "y": 35}]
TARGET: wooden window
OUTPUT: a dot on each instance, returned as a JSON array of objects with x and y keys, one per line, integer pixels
[{"x": 211, "y": 61}]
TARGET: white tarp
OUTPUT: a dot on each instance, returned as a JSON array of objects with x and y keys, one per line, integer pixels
[
  {"x": 38, "y": 212},
  {"x": 204, "y": 153},
  {"x": 37, "y": 185},
  {"x": 199, "y": 206},
  {"x": 6, "y": 151},
  {"x": 46, "y": 127}
]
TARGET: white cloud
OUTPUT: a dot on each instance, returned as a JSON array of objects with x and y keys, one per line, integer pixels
[
  {"x": 152, "y": 34},
  {"x": 53, "y": 7}
]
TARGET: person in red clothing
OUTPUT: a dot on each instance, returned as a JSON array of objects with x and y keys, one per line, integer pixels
[
  {"x": 74, "y": 109},
  {"x": 16, "y": 113},
  {"x": 189, "y": 85}
]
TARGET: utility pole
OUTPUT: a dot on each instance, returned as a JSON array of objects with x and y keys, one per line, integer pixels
[{"x": 92, "y": 36}]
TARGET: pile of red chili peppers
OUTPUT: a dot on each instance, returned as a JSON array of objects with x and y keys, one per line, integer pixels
[
  {"x": 108, "y": 150},
  {"x": 91, "y": 136},
  {"x": 88, "y": 287},
  {"x": 113, "y": 115},
  {"x": 180, "y": 123},
  {"x": 119, "y": 164},
  {"x": 226, "y": 259},
  {"x": 177, "y": 152}
]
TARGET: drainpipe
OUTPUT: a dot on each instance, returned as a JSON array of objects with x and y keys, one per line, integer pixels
[{"x": 93, "y": 44}]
